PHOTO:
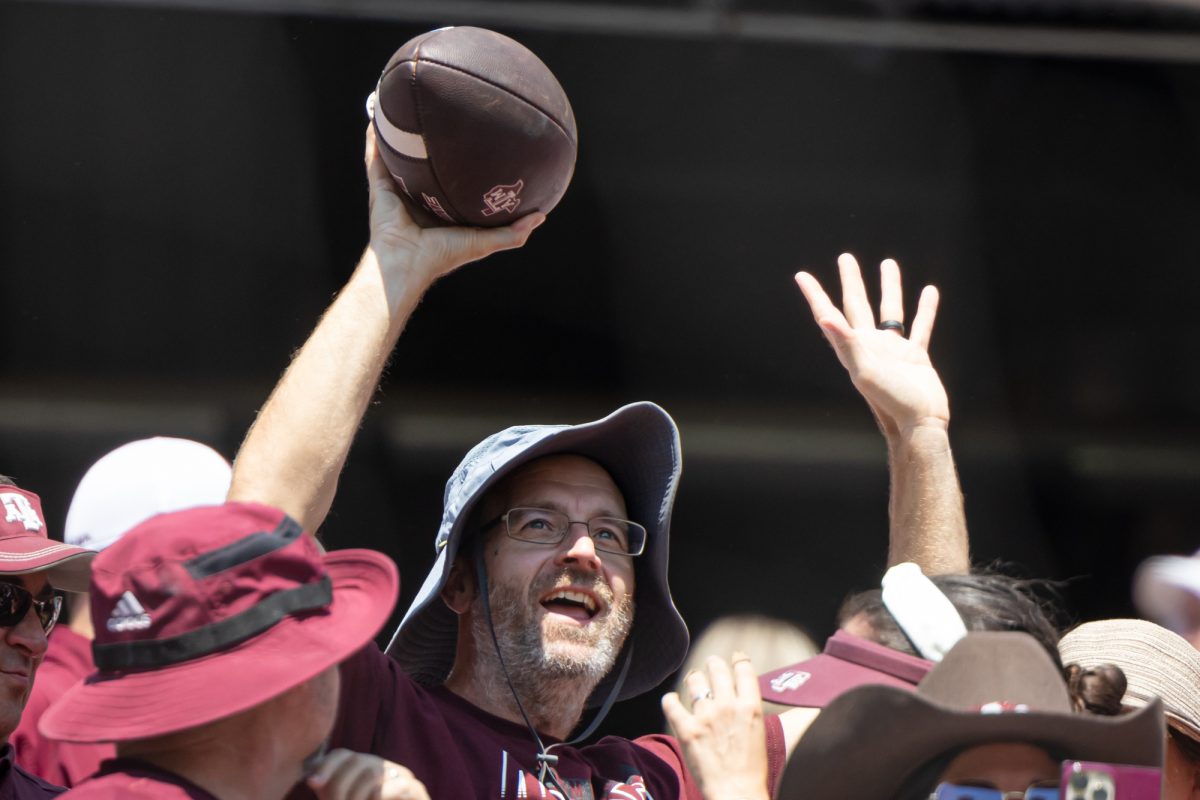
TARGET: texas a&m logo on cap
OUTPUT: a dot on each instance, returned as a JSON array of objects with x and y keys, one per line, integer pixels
[
  {"x": 20, "y": 511},
  {"x": 790, "y": 681}
]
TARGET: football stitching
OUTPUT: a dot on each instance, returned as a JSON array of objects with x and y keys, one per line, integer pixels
[
  {"x": 416, "y": 93},
  {"x": 509, "y": 92}
]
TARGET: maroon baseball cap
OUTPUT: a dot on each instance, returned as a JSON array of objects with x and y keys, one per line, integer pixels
[
  {"x": 847, "y": 661},
  {"x": 208, "y": 612},
  {"x": 25, "y": 545}
]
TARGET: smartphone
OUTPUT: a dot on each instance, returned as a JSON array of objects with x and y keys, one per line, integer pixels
[{"x": 1088, "y": 780}]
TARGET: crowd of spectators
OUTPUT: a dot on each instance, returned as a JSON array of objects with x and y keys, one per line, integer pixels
[{"x": 217, "y": 651}]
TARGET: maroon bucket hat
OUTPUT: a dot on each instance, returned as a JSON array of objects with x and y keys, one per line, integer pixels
[
  {"x": 25, "y": 545},
  {"x": 847, "y": 662},
  {"x": 208, "y": 612}
]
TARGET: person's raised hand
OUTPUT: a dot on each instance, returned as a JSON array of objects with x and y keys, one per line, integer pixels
[
  {"x": 723, "y": 736},
  {"x": 890, "y": 369},
  {"x": 426, "y": 254}
]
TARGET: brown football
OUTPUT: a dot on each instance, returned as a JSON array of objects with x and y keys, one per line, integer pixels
[{"x": 474, "y": 128}]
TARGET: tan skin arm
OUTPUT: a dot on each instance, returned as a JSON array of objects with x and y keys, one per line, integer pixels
[
  {"x": 927, "y": 523},
  {"x": 294, "y": 452},
  {"x": 904, "y": 392}
]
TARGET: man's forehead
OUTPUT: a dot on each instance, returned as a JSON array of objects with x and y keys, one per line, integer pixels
[
  {"x": 560, "y": 473},
  {"x": 563, "y": 464}
]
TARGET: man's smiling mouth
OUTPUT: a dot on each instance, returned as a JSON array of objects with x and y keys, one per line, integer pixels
[{"x": 571, "y": 603}]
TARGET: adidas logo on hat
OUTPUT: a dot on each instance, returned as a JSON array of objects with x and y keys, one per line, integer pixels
[{"x": 128, "y": 615}]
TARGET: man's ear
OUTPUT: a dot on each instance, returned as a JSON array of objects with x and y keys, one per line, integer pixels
[{"x": 459, "y": 590}]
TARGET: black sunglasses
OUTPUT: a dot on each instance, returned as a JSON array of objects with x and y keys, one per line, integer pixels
[{"x": 15, "y": 602}]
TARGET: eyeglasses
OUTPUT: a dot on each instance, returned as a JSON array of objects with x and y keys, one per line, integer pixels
[
  {"x": 15, "y": 602},
  {"x": 546, "y": 526},
  {"x": 950, "y": 791}
]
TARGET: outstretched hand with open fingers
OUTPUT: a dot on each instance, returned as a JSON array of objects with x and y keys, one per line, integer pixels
[
  {"x": 723, "y": 736},
  {"x": 428, "y": 253},
  {"x": 346, "y": 775},
  {"x": 890, "y": 369}
]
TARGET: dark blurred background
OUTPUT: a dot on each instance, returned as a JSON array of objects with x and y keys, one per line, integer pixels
[{"x": 182, "y": 194}]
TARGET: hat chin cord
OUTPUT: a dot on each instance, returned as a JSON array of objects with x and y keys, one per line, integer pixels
[{"x": 546, "y": 760}]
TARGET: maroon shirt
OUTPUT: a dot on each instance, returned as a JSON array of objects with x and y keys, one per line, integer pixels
[
  {"x": 461, "y": 752},
  {"x": 127, "y": 778},
  {"x": 17, "y": 784},
  {"x": 68, "y": 660}
]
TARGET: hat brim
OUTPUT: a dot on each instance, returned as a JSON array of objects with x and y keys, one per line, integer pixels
[
  {"x": 66, "y": 566},
  {"x": 894, "y": 733},
  {"x": 1156, "y": 663},
  {"x": 140, "y": 705},
  {"x": 638, "y": 445},
  {"x": 828, "y": 678}
]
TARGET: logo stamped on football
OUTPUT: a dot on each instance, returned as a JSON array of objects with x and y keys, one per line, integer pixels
[
  {"x": 434, "y": 205},
  {"x": 502, "y": 198}
]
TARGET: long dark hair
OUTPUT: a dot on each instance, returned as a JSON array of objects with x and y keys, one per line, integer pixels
[{"x": 986, "y": 601}]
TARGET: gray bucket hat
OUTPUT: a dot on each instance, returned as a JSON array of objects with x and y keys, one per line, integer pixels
[{"x": 638, "y": 445}]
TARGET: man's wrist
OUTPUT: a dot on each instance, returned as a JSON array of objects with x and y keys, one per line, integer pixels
[
  {"x": 402, "y": 264},
  {"x": 926, "y": 434},
  {"x": 403, "y": 283}
]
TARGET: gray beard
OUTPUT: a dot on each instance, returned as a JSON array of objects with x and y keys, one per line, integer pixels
[{"x": 549, "y": 679}]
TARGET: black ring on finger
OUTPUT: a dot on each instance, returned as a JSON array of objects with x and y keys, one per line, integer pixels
[{"x": 892, "y": 325}]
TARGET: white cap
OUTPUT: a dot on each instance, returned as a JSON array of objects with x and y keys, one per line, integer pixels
[
  {"x": 1167, "y": 589},
  {"x": 139, "y": 480}
]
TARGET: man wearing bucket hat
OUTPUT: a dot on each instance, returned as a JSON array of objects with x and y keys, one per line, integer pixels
[
  {"x": 126, "y": 486},
  {"x": 484, "y": 686},
  {"x": 31, "y": 567},
  {"x": 219, "y": 633},
  {"x": 549, "y": 594}
]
